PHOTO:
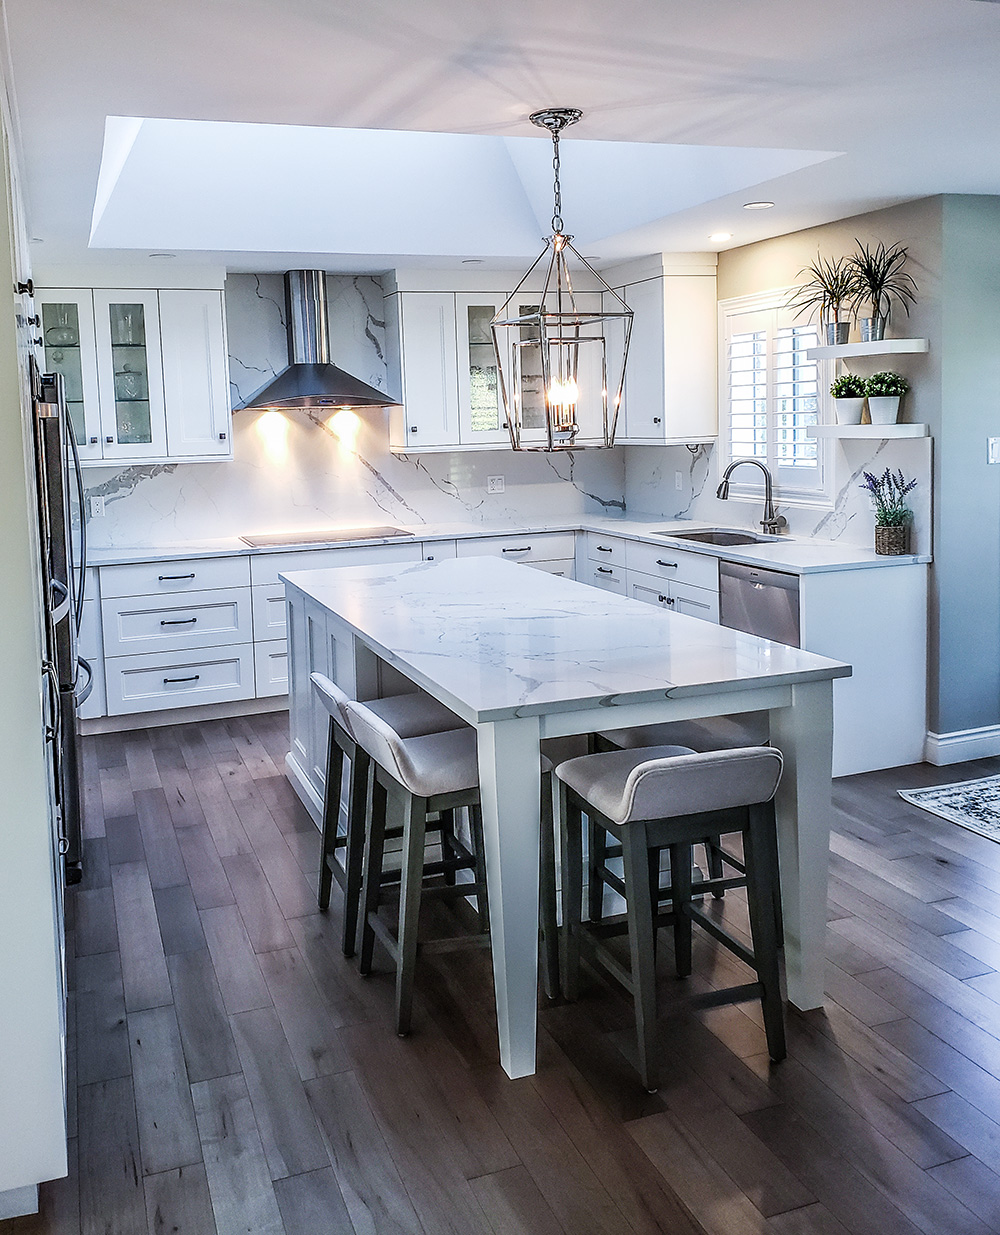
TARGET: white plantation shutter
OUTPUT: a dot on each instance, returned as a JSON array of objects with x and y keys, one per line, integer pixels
[{"x": 771, "y": 393}]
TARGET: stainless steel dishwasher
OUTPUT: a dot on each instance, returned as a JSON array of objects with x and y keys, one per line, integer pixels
[{"x": 761, "y": 602}]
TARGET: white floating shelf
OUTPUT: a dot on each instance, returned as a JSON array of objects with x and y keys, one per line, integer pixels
[
  {"x": 869, "y": 431},
  {"x": 884, "y": 347}
]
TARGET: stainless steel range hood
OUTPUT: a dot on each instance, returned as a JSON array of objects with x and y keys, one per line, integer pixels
[{"x": 311, "y": 380}]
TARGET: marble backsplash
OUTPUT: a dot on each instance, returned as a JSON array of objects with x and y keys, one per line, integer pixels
[
  {"x": 651, "y": 488},
  {"x": 293, "y": 472}
]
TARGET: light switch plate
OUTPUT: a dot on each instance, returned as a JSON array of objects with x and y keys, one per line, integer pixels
[{"x": 494, "y": 484}]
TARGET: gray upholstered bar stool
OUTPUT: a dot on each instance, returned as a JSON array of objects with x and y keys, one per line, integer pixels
[
  {"x": 666, "y": 797},
  {"x": 703, "y": 734},
  {"x": 411, "y": 715},
  {"x": 414, "y": 777}
]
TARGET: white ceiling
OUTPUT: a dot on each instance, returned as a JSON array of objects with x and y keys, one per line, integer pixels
[{"x": 905, "y": 89}]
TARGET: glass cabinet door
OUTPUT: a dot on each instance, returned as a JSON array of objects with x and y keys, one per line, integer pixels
[
  {"x": 131, "y": 374},
  {"x": 67, "y": 333},
  {"x": 481, "y": 414}
]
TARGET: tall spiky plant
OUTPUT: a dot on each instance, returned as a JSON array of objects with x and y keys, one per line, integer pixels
[
  {"x": 880, "y": 279},
  {"x": 831, "y": 287}
]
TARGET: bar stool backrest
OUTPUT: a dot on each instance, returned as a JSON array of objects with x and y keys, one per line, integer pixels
[
  {"x": 332, "y": 698},
  {"x": 692, "y": 784}
]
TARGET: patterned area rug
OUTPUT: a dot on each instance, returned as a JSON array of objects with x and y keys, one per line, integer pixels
[{"x": 972, "y": 804}]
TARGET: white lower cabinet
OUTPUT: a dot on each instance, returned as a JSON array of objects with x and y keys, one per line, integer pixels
[
  {"x": 564, "y": 567},
  {"x": 90, "y": 648},
  {"x": 139, "y": 624},
  {"x": 271, "y": 667},
  {"x": 533, "y": 547},
  {"x": 175, "y": 679},
  {"x": 269, "y": 618},
  {"x": 610, "y": 578},
  {"x": 699, "y": 602}
]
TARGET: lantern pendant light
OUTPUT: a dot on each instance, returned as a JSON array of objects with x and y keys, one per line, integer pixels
[{"x": 561, "y": 351}]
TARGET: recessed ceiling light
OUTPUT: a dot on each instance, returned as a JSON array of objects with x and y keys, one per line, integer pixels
[
  {"x": 472, "y": 261},
  {"x": 757, "y": 205},
  {"x": 163, "y": 255},
  {"x": 720, "y": 237}
]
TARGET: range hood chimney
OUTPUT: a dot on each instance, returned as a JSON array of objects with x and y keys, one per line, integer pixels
[{"x": 310, "y": 380}]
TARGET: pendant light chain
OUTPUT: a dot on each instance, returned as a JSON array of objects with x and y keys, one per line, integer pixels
[{"x": 557, "y": 219}]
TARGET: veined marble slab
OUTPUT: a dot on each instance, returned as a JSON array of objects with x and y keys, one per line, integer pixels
[{"x": 496, "y": 640}]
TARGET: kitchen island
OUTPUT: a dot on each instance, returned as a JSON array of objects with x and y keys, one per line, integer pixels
[{"x": 524, "y": 656}]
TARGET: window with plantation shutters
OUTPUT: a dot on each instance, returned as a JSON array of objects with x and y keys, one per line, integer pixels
[{"x": 770, "y": 394}]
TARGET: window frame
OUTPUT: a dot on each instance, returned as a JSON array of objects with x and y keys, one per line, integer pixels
[{"x": 820, "y": 494}]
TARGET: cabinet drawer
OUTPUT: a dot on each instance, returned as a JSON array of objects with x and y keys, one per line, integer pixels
[
  {"x": 269, "y": 617},
  {"x": 546, "y": 547},
  {"x": 606, "y": 549},
  {"x": 265, "y": 567},
  {"x": 666, "y": 562},
  {"x": 699, "y": 602},
  {"x": 196, "y": 574},
  {"x": 611, "y": 578},
  {"x": 196, "y": 620},
  {"x": 271, "y": 667},
  {"x": 173, "y": 680},
  {"x": 439, "y": 550},
  {"x": 559, "y": 566}
]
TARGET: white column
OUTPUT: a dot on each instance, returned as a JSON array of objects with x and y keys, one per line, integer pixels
[
  {"x": 804, "y": 735},
  {"x": 509, "y": 787}
]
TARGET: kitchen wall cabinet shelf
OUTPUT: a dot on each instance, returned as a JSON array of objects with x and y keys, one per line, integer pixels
[
  {"x": 146, "y": 371},
  {"x": 871, "y": 432},
  {"x": 883, "y": 347}
]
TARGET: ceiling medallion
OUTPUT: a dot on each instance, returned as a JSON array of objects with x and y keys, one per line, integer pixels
[{"x": 561, "y": 349}]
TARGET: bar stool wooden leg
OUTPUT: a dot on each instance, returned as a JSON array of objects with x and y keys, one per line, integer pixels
[
  {"x": 547, "y": 893},
  {"x": 716, "y": 869},
  {"x": 479, "y": 848},
  {"x": 641, "y": 908},
  {"x": 761, "y": 895},
  {"x": 358, "y": 796},
  {"x": 372, "y": 886},
  {"x": 597, "y": 856},
  {"x": 331, "y": 816},
  {"x": 414, "y": 820},
  {"x": 571, "y": 819},
  {"x": 680, "y": 880}
]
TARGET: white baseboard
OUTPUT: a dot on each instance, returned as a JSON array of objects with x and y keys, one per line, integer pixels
[
  {"x": 307, "y": 795},
  {"x": 180, "y": 716},
  {"x": 945, "y": 748},
  {"x": 19, "y": 1201}
]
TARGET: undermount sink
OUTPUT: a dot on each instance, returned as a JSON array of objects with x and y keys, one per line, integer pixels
[{"x": 721, "y": 536}]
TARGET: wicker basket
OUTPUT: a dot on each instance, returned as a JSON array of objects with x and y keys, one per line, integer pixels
[{"x": 892, "y": 540}]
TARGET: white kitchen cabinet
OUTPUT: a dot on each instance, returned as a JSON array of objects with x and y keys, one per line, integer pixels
[
  {"x": 531, "y": 547},
  {"x": 481, "y": 418},
  {"x": 663, "y": 561},
  {"x": 671, "y": 380},
  {"x": 422, "y": 356},
  {"x": 146, "y": 371},
  {"x": 699, "y": 602},
  {"x": 610, "y": 578}
]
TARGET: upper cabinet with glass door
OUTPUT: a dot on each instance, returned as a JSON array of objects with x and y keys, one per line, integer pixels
[{"x": 145, "y": 371}]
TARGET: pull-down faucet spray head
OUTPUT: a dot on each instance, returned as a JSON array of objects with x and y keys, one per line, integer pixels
[{"x": 723, "y": 490}]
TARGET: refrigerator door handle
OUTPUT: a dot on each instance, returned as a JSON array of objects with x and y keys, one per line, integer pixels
[
  {"x": 82, "y": 496},
  {"x": 83, "y": 692}
]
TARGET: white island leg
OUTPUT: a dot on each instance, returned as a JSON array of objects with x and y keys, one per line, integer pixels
[
  {"x": 509, "y": 788},
  {"x": 804, "y": 735}
]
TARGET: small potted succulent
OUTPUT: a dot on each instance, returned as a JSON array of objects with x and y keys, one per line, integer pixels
[
  {"x": 880, "y": 281},
  {"x": 828, "y": 294},
  {"x": 884, "y": 391},
  {"x": 848, "y": 392},
  {"x": 893, "y": 518}
]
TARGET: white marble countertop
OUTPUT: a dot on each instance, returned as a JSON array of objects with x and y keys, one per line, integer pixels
[
  {"x": 794, "y": 555},
  {"x": 520, "y": 642}
]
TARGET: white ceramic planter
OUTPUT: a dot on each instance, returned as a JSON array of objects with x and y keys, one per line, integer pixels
[
  {"x": 883, "y": 409},
  {"x": 849, "y": 410}
]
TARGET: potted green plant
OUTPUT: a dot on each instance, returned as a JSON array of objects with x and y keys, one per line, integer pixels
[
  {"x": 880, "y": 281},
  {"x": 848, "y": 392},
  {"x": 893, "y": 518},
  {"x": 827, "y": 295},
  {"x": 884, "y": 391}
]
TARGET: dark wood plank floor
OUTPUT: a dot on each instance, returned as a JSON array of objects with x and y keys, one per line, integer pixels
[{"x": 230, "y": 1071}]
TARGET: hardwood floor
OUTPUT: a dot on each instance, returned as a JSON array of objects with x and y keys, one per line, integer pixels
[{"x": 230, "y": 1072}]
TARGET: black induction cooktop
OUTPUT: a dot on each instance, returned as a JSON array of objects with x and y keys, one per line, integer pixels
[{"x": 322, "y": 537}]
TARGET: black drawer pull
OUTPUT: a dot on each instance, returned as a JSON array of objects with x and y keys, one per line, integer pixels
[
  {"x": 605, "y": 570},
  {"x": 171, "y": 578},
  {"x": 193, "y": 678},
  {"x": 177, "y": 621},
  {"x": 670, "y": 600},
  {"x": 661, "y": 599},
  {"x": 604, "y": 549},
  {"x": 673, "y": 565},
  {"x": 521, "y": 549}
]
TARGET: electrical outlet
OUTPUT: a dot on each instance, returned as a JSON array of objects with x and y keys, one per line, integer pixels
[
  {"x": 494, "y": 484},
  {"x": 993, "y": 450},
  {"x": 678, "y": 480},
  {"x": 96, "y": 507}
]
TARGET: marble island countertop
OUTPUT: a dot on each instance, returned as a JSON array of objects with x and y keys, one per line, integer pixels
[{"x": 790, "y": 554}]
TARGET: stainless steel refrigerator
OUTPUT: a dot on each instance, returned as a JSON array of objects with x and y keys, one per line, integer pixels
[{"x": 63, "y": 543}]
